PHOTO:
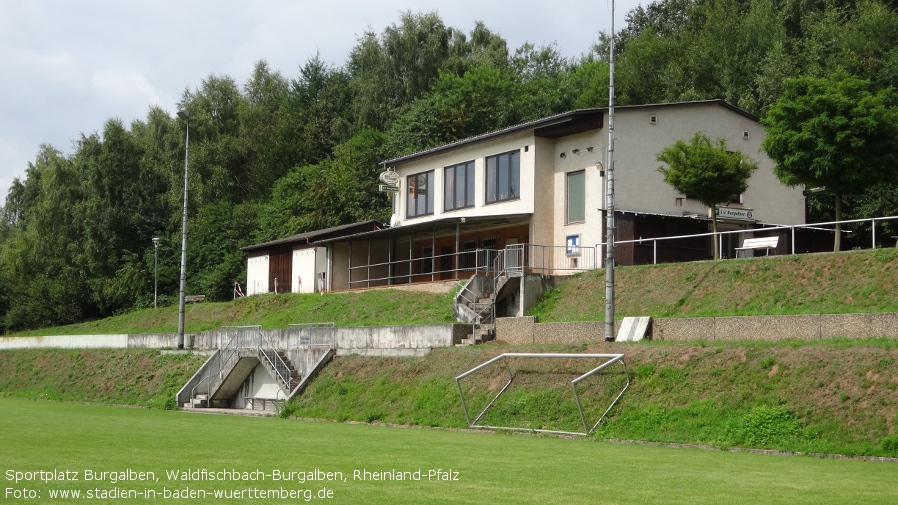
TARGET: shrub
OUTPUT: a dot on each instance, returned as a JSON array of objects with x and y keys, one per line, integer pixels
[
  {"x": 765, "y": 426},
  {"x": 890, "y": 444}
]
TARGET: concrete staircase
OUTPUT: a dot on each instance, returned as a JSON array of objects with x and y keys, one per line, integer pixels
[
  {"x": 279, "y": 366},
  {"x": 224, "y": 373}
]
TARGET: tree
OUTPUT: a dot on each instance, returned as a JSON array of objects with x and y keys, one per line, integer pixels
[
  {"x": 833, "y": 133},
  {"x": 706, "y": 172},
  {"x": 398, "y": 67}
]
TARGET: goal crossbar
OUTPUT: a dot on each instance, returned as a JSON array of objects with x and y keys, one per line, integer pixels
[{"x": 587, "y": 430}]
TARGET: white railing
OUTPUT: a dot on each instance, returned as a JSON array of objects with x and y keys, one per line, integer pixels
[
  {"x": 562, "y": 260},
  {"x": 875, "y": 240}
]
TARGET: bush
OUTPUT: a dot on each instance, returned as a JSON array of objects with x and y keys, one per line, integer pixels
[
  {"x": 766, "y": 426},
  {"x": 890, "y": 444}
]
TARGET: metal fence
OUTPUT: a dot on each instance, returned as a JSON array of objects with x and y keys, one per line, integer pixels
[
  {"x": 517, "y": 258},
  {"x": 565, "y": 260},
  {"x": 876, "y": 239}
]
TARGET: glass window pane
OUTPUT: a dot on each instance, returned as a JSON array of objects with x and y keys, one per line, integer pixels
[
  {"x": 576, "y": 197},
  {"x": 514, "y": 175},
  {"x": 491, "y": 179},
  {"x": 469, "y": 194},
  {"x": 503, "y": 178},
  {"x": 429, "y": 197}
]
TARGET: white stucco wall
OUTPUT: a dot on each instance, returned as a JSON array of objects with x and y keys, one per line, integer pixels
[
  {"x": 304, "y": 261},
  {"x": 524, "y": 142},
  {"x": 256, "y": 275}
]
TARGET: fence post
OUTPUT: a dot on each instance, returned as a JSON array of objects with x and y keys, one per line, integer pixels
[
  {"x": 874, "y": 233},
  {"x": 793, "y": 240}
]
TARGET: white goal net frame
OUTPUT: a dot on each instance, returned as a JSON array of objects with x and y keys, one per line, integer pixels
[{"x": 610, "y": 359}]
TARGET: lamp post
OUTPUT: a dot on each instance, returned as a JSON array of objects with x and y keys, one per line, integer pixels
[
  {"x": 185, "y": 115},
  {"x": 609, "y": 199},
  {"x": 155, "y": 271}
]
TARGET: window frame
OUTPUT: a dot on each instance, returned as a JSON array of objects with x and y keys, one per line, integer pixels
[
  {"x": 567, "y": 197},
  {"x": 412, "y": 195},
  {"x": 451, "y": 187},
  {"x": 493, "y": 188}
]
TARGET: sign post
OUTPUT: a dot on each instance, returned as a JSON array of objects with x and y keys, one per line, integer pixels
[{"x": 390, "y": 180}]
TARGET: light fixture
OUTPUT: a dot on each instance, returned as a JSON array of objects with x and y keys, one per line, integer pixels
[
  {"x": 575, "y": 151},
  {"x": 562, "y": 155},
  {"x": 185, "y": 115}
]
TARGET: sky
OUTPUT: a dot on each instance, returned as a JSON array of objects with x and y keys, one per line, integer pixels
[{"x": 69, "y": 65}]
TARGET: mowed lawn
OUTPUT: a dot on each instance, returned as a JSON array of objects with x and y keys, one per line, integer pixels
[{"x": 83, "y": 440}]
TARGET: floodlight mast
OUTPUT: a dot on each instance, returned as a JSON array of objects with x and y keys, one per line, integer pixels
[
  {"x": 609, "y": 199},
  {"x": 185, "y": 115}
]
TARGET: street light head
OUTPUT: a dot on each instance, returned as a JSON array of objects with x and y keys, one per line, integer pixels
[
  {"x": 156, "y": 241},
  {"x": 184, "y": 114}
]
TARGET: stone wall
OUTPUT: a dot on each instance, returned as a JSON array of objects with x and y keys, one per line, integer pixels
[{"x": 525, "y": 330}]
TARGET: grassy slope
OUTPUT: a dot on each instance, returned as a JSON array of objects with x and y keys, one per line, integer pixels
[
  {"x": 860, "y": 281},
  {"x": 830, "y": 397},
  {"x": 140, "y": 377},
  {"x": 371, "y": 308},
  {"x": 855, "y": 281}
]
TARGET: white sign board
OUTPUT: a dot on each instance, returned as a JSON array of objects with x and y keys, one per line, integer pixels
[{"x": 730, "y": 213}]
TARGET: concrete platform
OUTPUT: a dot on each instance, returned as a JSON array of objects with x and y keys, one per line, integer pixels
[{"x": 232, "y": 412}]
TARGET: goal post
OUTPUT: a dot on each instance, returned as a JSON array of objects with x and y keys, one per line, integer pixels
[{"x": 505, "y": 360}]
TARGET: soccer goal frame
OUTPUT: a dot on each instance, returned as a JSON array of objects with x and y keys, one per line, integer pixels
[{"x": 504, "y": 357}]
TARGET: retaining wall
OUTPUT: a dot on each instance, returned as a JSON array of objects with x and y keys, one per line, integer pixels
[
  {"x": 382, "y": 340},
  {"x": 525, "y": 330}
]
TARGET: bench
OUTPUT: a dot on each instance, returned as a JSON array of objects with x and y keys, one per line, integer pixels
[
  {"x": 751, "y": 244},
  {"x": 194, "y": 298}
]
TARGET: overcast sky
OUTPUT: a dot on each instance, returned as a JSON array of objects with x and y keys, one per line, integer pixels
[{"x": 69, "y": 65}]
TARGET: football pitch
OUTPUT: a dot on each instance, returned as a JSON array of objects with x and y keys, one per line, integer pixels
[{"x": 71, "y": 453}]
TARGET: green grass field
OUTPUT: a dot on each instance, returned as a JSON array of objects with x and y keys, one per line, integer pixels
[{"x": 491, "y": 468}]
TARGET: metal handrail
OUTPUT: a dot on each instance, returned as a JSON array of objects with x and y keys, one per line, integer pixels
[
  {"x": 790, "y": 228},
  {"x": 277, "y": 363}
]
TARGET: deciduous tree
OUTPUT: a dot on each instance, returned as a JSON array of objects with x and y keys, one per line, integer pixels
[
  {"x": 705, "y": 171},
  {"x": 834, "y": 133}
]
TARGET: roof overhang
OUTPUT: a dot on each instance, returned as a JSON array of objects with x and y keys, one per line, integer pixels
[
  {"x": 436, "y": 227},
  {"x": 560, "y": 125},
  {"x": 313, "y": 236}
]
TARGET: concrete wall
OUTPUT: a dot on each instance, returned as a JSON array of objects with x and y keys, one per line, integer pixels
[
  {"x": 68, "y": 342},
  {"x": 348, "y": 340},
  {"x": 525, "y": 330}
]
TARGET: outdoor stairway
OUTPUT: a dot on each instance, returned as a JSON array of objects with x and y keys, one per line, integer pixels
[
  {"x": 224, "y": 373},
  {"x": 200, "y": 401},
  {"x": 281, "y": 369},
  {"x": 480, "y": 334}
]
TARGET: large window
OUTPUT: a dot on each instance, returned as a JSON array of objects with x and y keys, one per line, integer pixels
[
  {"x": 420, "y": 194},
  {"x": 576, "y": 197},
  {"x": 458, "y": 186},
  {"x": 503, "y": 177}
]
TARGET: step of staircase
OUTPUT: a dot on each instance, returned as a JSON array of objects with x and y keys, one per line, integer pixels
[
  {"x": 198, "y": 402},
  {"x": 295, "y": 378}
]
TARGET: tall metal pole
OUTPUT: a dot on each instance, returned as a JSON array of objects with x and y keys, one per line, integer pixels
[
  {"x": 155, "y": 271},
  {"x": 185, "y": 115},
  {"x": 609, "y": 200}
]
